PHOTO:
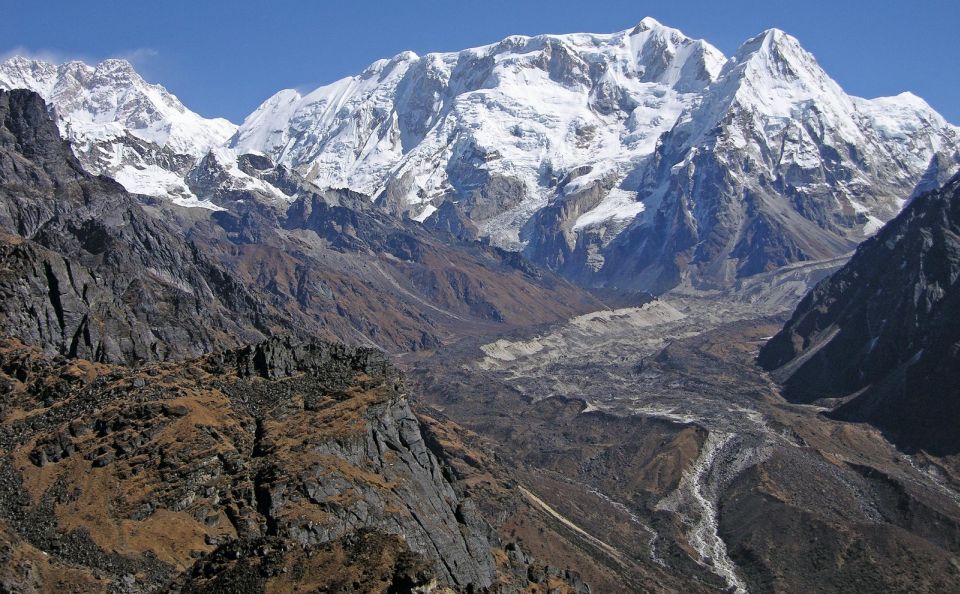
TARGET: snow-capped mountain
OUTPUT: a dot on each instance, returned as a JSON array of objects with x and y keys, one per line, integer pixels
[
  {"x": 120, "y": 125},
  {"x": 773, "y": 164},
  {"x": 630, "y": 159},
  {"x": 638, "y": 159},
  {"x": 496, "y": 127}
]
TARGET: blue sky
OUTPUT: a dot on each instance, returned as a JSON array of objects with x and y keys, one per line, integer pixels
[{"x": 224, "y": 58}]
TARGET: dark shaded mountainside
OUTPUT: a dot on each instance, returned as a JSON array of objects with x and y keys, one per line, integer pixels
[
  {"x": 88, "y": 270},
  {"x": 278, "y": 467},
  {"x": 879, "y": 341}
]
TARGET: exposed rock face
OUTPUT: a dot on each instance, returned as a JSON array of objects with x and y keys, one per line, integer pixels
[
  {"x": 881, "y": 335},
  {"x": 364, "y": 561},
  {"x": 553, "y": 237},
  {"x": 449, "y": 218},
  {"x": 92, "y": 271},
  {"x": 87, "y": 270},
  {"x": 278, "y": 464},
  {"x": 275, "y": 451}
]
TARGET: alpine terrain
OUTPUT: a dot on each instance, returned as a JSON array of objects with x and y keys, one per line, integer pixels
[
  {"x": 560, "y": 314},
  {"x": 640, "y": 159}
]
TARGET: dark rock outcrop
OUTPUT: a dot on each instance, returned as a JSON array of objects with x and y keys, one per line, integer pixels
[
  {"x": 448, "y": 218},
  {"x": 87, "y": 271},
  {"x": 365, "y": 561},
  {"x": 551, "y": 239},
  {"x": 880, "y": 338}
]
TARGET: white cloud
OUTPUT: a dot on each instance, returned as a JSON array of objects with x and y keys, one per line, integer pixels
[{"x": 139, "y": 57}]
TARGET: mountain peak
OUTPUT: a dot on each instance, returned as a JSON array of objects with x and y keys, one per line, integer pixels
[
  {"x": 666, "y": 55},
  {"x": 27, "y": 73},
  {"x": 119, "y": 124},
  {"x": 18, "y": 61},
  {"x": 773, "y": 35},
  {"x": 774, "y": 61},
  {"x": 768, "y": 42},
  {"x": 772, "y": 75},
  {"x": 647, "y": 24},
  {"x": 119, "y": 66}
]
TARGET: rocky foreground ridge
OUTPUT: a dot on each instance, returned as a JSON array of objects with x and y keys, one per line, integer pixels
[{"x": 245, "y": 471}]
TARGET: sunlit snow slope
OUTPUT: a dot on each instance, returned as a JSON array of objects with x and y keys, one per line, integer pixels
[
  {"x": 120, "y": 125},
  {"x": 496, "y": 126},
  {"x": 608, "y": 156}
]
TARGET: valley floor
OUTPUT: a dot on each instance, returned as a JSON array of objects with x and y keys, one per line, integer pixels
[{"x": 654, "y": 446}]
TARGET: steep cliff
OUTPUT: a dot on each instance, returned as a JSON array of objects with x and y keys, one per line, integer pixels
[{"x": 88, "y": 271}]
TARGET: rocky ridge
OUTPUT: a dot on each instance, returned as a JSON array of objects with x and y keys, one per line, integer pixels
[
  {"x": 877, "y": 340},
  {"x": 240, "y": 471}
]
